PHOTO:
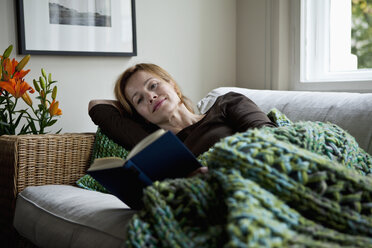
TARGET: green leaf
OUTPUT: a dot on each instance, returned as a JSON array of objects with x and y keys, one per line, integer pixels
[
  {"x": 24, "y": 129},
  {"x": 4, "y": 117},
  {"x": 4, "y": 123},
  {"x": 51, "y": 123},
  {"x": 44, "y": 123},
  {"x": 5, "y": 130},
  {"x": 33, "y": 128},
  {"x": 18, "y": 120}
]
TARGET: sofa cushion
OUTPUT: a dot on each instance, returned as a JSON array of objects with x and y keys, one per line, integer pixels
[
  {"x": 351, "y": 111},
  {"x": 67, "y": 216},
  {"x": 103, "y": 147}
]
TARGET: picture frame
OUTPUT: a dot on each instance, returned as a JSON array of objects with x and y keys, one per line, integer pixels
[{"x": 77, "y": 27}]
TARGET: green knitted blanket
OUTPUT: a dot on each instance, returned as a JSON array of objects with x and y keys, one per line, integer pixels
[{"x": 304, "y": 184}]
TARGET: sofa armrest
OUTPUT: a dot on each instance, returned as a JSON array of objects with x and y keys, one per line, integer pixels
[{"x": 33, "y": 160}]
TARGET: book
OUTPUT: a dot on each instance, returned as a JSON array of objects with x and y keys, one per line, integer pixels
[{"x": 159, "y": 156}]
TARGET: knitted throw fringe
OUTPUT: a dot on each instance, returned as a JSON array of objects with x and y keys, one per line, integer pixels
[{"x": 301, "y": 185}]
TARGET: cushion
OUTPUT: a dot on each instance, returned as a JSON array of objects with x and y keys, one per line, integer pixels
[
  {"x": 89, "y": 183},
  {"x": 66, "y": 216},
  {"x": 103, "y": 147}
]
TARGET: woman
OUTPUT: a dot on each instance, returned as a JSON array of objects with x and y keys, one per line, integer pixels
[{"x": 150, "y": 91}]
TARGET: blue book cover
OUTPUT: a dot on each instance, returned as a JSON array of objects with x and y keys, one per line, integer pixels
[{"x": 159, "y": 156}]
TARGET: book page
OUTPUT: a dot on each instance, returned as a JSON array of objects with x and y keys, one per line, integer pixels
[
  {"x": 145, "y": 142},
  {"x": 106, "y": 163}
]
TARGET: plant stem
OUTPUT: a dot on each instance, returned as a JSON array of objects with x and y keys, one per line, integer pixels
[{"x": 10, "y": 111}]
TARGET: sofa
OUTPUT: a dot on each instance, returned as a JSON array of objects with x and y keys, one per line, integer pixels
[{"x": 42, "y": 206}]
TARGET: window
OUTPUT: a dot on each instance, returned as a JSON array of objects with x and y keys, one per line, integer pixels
[
  {"x": 361, "y": 32},
  {"x": 332, "y": 48}
]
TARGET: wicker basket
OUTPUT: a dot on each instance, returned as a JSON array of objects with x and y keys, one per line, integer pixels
[{"x": 32, "y": 160}]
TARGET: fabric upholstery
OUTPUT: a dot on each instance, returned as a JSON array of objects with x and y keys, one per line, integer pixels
[
  {"x": 66, "y": 216},
  {"x": 351, "y": 111}
]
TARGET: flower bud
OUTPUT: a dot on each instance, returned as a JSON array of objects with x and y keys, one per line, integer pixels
[
  {"x": 7, "y": 67},
  {"x": 50, "y": 77},
  {"x": 54, "y": 110},
  {"x": 42, "y": 83},
  {"x": 37, "y": 88},
  {"x": 26, "y": 97},
  {"x": 43, "y": 73},
  {"x": 54, "y": 93},
  {"x": 7, "y": 52},
  {"x": 42, "y": 100},
  {"x": 23, "y": 62}
]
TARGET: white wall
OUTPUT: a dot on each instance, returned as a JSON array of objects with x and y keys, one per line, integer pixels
[{"x": 194, "y": 40}]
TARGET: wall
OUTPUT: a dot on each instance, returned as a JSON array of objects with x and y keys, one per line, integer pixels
[
  {"x": 263, "y": 44},
  {"x": 194, "y": 40},
  {"x": 251, "y": 44}
]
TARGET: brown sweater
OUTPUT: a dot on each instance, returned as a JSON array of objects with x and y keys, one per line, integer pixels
[{"x": 231, "y": 113}]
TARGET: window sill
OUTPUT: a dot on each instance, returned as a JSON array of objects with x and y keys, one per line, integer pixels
[{"x": 362, "y": 86}]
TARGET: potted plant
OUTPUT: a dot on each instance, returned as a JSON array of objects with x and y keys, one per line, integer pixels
[{"x": 13, "y": 86}]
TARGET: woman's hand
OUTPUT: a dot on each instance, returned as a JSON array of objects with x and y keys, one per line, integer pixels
[{"x": 201, "y": 170}]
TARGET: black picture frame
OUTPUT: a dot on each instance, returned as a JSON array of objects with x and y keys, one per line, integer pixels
[{"x": 47, "y": 27}]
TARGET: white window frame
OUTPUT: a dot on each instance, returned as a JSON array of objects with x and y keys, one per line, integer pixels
[{"x": 311, "y": 66}]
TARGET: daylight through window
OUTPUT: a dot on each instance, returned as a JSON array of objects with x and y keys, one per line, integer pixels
[
  {"x": 336, "y": 40},
  {"x": 361, "y": 32}
]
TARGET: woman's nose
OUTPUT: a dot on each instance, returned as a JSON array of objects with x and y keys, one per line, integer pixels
[{"x": 151, "y": 96}]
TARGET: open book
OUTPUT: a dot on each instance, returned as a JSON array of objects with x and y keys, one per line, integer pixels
[{"x": 159, "y": 156}]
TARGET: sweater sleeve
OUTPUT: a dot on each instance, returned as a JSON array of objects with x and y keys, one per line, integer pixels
[
  {"x": 125, "y": 130},
  {"x": 243, "y": 113}
]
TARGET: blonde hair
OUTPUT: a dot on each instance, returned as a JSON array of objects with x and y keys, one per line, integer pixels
[{"x": 150, "y": 68}]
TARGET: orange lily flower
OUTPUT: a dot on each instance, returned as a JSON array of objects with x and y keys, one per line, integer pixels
[
  {"x": 16, "y": 86},
  {"x": 10, "y": 69},
  {"x": 53, "y": 109}
]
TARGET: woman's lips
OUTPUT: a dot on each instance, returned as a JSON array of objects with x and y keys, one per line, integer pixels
[{"x": 157, "y": 105}]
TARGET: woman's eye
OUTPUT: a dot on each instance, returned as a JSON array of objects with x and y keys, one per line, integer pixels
[
  {"x": 139, "y": 100},
  {"x": 153, "y": 85}
]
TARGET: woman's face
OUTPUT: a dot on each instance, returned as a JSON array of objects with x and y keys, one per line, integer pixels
[{"x": 152, "y": 97}]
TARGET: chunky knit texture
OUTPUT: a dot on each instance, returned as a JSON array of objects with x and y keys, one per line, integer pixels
[
  {"x": 304, "y": 184},
  {"x": 103, "y": 147}
]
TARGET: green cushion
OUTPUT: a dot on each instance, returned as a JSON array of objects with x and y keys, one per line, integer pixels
[{"x": 103, "y": 147}]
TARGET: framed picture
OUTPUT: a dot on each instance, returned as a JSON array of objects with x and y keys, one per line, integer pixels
[{"x": 77, "y": 27}]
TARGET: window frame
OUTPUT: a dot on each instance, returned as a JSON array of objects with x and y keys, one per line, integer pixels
[{"x": 325, "y": 80}]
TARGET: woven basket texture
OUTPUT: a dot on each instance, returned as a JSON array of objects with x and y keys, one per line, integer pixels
[{"x": 33, "y": 160}]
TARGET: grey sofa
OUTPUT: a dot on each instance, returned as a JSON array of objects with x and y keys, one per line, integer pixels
[
  {"x": 67, "y": 216},
  {"x": 351, "y": 111}
]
